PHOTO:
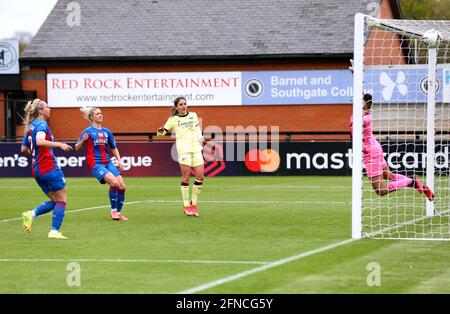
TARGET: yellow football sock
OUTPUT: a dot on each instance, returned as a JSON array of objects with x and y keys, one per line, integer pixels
[
  {"x": 196, "y": 189},
  {"x": 185, "y": 194}
]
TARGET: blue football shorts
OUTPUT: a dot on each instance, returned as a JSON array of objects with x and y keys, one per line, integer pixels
[
  {"x": 100, "y": 171},
  {"x": 51, "y": 181}
]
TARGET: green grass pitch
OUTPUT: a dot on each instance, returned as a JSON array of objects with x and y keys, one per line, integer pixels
[{"x": 247, "y": 225}]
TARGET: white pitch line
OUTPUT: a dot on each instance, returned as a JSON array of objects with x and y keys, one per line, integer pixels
[
  {"x": 218, "y": 282},
  {"x": 177, "y": 201},
  {"x": 221, "y": 281},
  {"x": 10, "y": 219},
  {"x": 375, "y": 233},
  {"x": 69, "y": 211},
  {"x": 77, "y": 210},
  {"x": 120, "y": 260},
  {"x": 255, "y": 202},
  {"x": 285, "y": 186},
  {"x": 206, "y": 186}
]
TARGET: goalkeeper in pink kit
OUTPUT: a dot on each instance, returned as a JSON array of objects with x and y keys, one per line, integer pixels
[{"x": 376, "y": 167}]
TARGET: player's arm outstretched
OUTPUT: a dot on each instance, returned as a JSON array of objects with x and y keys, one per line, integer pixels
[
  {"x": 167, "y": 128},
  {"x": 42, "y": 142}
]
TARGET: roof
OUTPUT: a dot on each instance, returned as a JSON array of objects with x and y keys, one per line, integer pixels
[{"x": 158, "y": 29}]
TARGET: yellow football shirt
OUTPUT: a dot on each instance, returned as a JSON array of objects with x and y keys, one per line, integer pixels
[{"x": 187, "y": 132}]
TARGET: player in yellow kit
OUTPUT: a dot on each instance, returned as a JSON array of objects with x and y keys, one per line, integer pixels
[{"x": 189, "y": 142}]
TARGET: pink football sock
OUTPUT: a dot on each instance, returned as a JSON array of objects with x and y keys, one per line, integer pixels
[
  {"x": 400, "y": 182},
  {"x": 398, "y": 176}
]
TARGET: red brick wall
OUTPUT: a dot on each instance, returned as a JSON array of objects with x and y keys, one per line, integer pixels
[
  {"x": 68, "y": 123},
  {"x": 384, "y": 47}
]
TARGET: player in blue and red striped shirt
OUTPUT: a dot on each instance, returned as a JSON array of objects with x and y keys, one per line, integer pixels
[
  {"x": 98, "y": 139},
  {"x": 39, "y": 143}
]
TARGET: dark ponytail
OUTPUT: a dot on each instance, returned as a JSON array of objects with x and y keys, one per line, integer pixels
[{"x": 175, "y": 103}]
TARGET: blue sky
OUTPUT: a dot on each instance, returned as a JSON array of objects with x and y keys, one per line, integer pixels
[{"x": 23, "y": 16}]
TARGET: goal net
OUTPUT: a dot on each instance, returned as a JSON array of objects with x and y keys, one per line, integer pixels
[{"x": 405, "y": 66}]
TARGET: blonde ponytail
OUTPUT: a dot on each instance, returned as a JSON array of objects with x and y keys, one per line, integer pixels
[
  {"x": 88, "y": 113},
  {"x": 31, "y": 112}
]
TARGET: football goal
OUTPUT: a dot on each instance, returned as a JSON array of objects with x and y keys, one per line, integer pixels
[{"x": 404, "y": 65}]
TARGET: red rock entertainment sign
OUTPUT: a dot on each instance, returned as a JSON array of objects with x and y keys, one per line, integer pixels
[{"x": 143, "y": 89}]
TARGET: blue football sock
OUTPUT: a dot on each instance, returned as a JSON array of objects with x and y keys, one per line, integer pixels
[
  {"x": 58, "y": 215},
  {"x": 120, "y": 200},
  {"x": 44, "y": 208},
  {"x": 113, "y": 197}
]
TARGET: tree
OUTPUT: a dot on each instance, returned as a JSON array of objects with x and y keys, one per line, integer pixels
[
  {"x": 425, "y": 9},
  {"x": 24, "y": 40}
]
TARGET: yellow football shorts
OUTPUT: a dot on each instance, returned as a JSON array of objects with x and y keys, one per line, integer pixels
[{"x": 191, "y": 159}]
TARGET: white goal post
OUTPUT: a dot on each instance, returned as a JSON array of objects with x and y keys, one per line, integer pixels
[{"x": 405, "y": 66}]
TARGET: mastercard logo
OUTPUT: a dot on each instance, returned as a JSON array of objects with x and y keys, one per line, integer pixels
[{"x": 267, "y": 160}]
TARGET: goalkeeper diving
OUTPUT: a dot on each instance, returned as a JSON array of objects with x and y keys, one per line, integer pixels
[{"x": 376, "y": 167}]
